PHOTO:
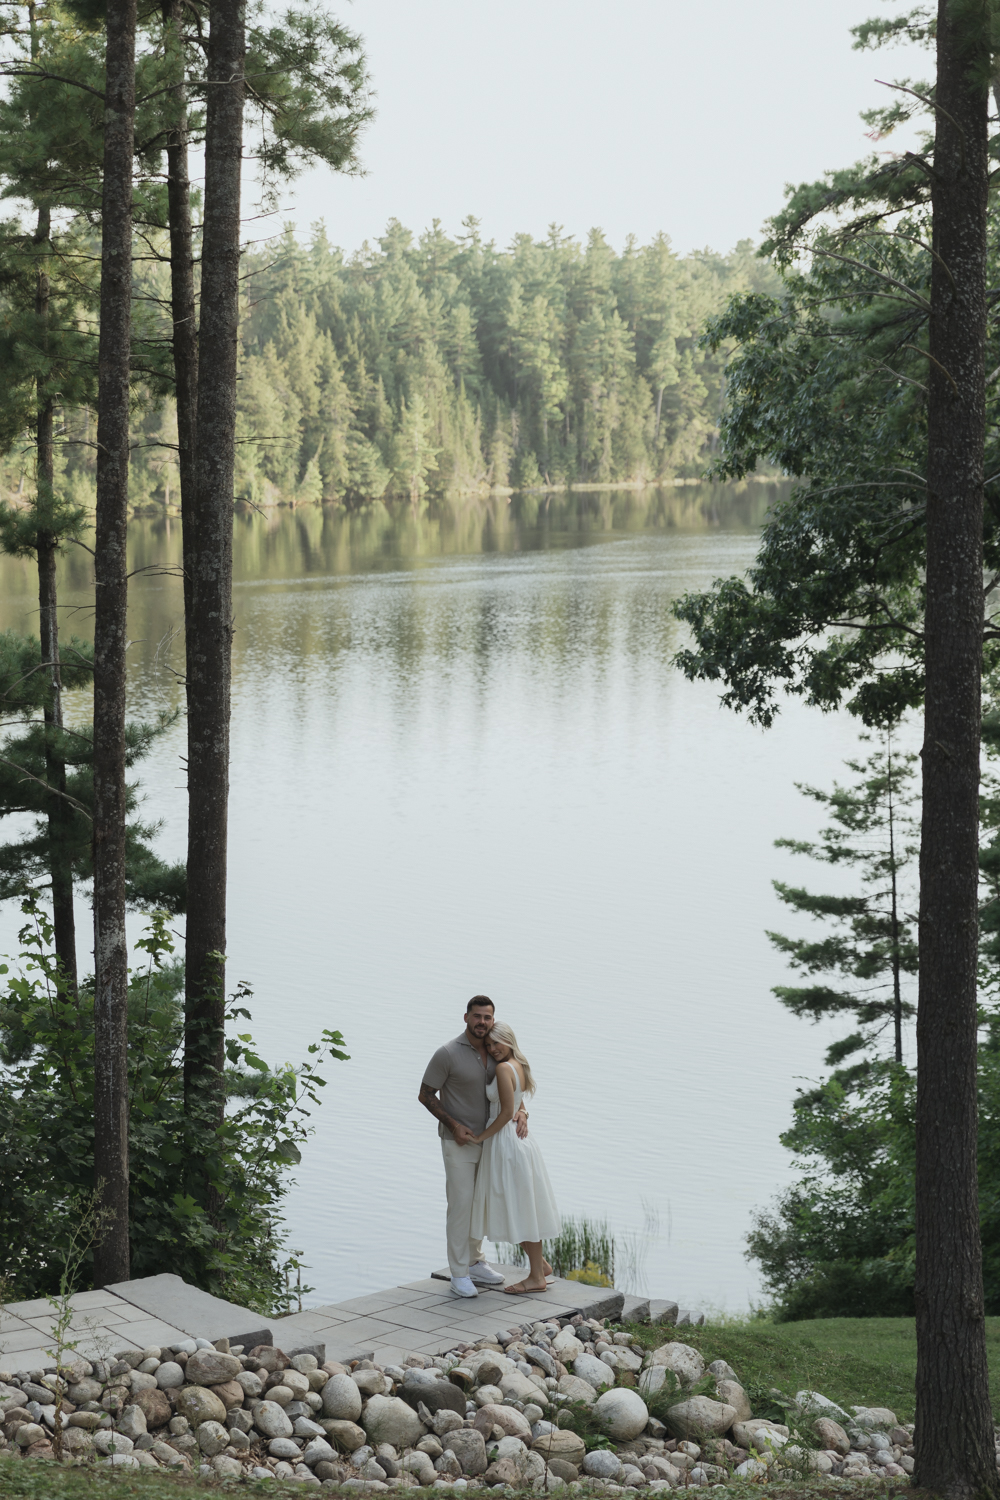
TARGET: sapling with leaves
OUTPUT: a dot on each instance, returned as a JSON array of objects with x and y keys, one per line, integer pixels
[{"x": 872, "y": 949}]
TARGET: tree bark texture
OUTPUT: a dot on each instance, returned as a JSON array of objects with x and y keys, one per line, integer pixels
[
  {"x": 954, "y": 1428},
  {"x": 182, "y": 295},
  {"x": 111, "y": 1256},
  {"x": 209, "y": 616},
  {"x": 58, "y": 814}
]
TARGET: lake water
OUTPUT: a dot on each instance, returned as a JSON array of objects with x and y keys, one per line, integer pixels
[{"x": 463, "y": 762}]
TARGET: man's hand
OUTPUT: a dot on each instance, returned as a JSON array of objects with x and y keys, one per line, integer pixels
[
  {"x": 521, "y": 1125},
  {"x": 429, "y": 1099}
]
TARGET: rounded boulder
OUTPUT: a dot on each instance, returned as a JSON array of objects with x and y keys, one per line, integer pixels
[
  {"x": 212, "y": 1438},
  {"x": 622, "y": 1413},
  {"x": 270, "y": 1420},
  {"x": 230, "y": 1393},
  {"x": 561, "y": 1444},
  {"x": 698, "y": 1417},
  {"x": 170, "y": 1376},
  {"x": 155, "y": 1407},
  {"x": 341, "y": 1399},
  {"x": 506, "y": 1417},
  {"x": 594, "y": 1371},
  {"x": 437, "y": 1395},
  {"x": 209, "y": 1367},
  {"x": 602, "y": 1464},
  {"x": 347, "y": 1436},
  {"x": 386, "y": 1419},
  {"x": 199, "y": 1404},
  {"x": 681, "y": 1360}
]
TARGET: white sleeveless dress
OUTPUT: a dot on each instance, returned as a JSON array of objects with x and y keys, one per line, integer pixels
[{"x": 513, "y": 1199}]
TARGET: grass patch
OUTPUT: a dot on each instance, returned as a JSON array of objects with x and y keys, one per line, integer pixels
[{"x": 853, "y": 1361}]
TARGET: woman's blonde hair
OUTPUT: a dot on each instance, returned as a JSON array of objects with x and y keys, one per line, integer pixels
[{"x": 501, "y": 1032}]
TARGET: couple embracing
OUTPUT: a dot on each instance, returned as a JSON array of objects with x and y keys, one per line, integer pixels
[{"x": 496, "y": 1183}]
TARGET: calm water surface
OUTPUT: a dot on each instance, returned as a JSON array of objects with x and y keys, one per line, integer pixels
[{"x": 463, "y": 762}]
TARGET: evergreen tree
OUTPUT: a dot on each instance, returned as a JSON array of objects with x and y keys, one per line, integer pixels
[{"x": 873, "y": 943}]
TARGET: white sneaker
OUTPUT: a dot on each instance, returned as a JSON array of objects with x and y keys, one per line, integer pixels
[
  {"x": 483, "y": 1274},
  {"x": 461, "y": 1286}
]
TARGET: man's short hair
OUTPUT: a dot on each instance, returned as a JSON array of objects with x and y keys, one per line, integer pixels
[{"x": 480, "y": 1000}]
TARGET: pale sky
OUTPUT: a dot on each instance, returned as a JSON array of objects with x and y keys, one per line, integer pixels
[{"x": 636, "y": 117}]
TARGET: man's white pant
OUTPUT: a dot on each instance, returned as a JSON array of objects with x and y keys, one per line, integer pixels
[{"x": 460, "y": 1163}]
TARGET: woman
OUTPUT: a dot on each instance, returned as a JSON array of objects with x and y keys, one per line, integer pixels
[{"x": 513, "y": 1200}]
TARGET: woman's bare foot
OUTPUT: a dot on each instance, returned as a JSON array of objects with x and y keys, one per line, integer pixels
[
  {"x": 546, "y": 1267},
  {"x": 525, "y": 1288}
]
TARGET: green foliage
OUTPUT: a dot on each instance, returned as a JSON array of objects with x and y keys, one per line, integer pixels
[
  {"x": 873, "y": 943},
  {"x": 46, "y": 1130}
]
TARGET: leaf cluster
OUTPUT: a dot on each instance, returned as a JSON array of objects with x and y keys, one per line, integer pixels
[{"x": 46, "y": 1129}]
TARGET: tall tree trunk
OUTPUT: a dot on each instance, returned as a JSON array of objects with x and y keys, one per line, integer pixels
[
  {"x": 897, "y": 995},
  {"x": 111, "y": 1256},
  {"x": 954, "y": 1428},
  {"x": 184, "y": 312},
  {"x": 58, "y": 814},
  {"x": 209, "y": 618}
]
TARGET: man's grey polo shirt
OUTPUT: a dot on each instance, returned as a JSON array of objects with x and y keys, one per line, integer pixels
[{"x": 456, "y": 1070}]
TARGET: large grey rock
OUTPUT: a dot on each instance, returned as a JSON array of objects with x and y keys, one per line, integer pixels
[
  {"x": 681, "y": 1360},
  {"x": 588, "y": 1367},
  {"x": 28, "y": 1433},
  {"x": 566, "y": 1346},
  {"x": 283, "y": 1447},
  {"x": 371, "y": 1382},
  {"x": 212, "y": 1438},
  {"x": 435, "y": 1394},
  {"x": 347, "y": 1436},
  {"x": 227, "y": 1467},
  {"x": 170, "y": 1376},
  {"x": 106, "y": 1441},
  {"x": 627, "y": 1359},
  {"x": 722, "y": 1371},
  {"x": 317, "y": 1451},
  {"x": 622, "y": 1413},
  {"x": 871, "y": 1418},
  {"x": 576, "y": 1388},
  {"x": 140, "y": 1382},
  {"x": 200, "y": 1405},
  {"x": 209, "y": 1367},
  {"x": 560, "y": 1443},
  {"x": 83, "y": 1390},
  {"x": 519, "y": 1387},
  {"x": 832, "y": 1435},
  {"x": 542, "y": 1358},
  {"x": 341, "y": 1399},
  {"x": 132, "y": 1422},
  {"x": 387, "y": 1419},
  {"x": 469, "y": 1448},
  {"x": 602, "y": 1464},
  {"x": 756, "y": 1433},
  {"x": 507, "y": 1417},
  {"x": 270, "y": 1420},
  {"x": 818, "y": 1405},
  {"x": 77, "y": 1440},
  {"x": 305, "y": 1427},
  {"x": 732, "y": 1394},
  {"x": 699, "y": 1417}
]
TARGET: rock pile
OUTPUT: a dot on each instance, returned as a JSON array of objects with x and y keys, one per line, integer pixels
[{"x": 484, "y": 1415}]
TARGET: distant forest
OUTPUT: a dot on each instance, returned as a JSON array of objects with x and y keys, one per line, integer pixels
[{"x": 447, "y": 366}]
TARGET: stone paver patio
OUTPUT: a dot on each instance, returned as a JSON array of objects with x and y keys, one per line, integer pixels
[{"x": 422, "y": 1317}]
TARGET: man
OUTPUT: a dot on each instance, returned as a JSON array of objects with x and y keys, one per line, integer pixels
[{"x": 460, "y": 1071}]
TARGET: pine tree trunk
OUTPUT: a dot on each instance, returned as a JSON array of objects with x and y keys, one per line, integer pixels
[
  {"x": 58, "y": 813},
  {"x": 111, "y": 1255},
  {"x": 209, "y": 619},
  {"x": 954, "y": 1428},
  {"x": 184, "y": 312}
]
